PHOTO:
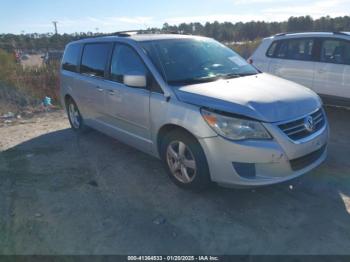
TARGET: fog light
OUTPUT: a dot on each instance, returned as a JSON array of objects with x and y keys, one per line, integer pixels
[{"x": 246, "y": 170}]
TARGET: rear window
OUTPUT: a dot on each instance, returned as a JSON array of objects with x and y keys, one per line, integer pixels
[
  {"x": 70, "y": 60},
  {"x": 271, "y": 50},
  {"x": 335, "y": 51},
  {"x": 94, "y": 60}
]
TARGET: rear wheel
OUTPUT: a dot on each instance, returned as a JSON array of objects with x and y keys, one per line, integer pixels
[
  {"x": 185, "y": 160},
  {"x": 74, "y": 116}
]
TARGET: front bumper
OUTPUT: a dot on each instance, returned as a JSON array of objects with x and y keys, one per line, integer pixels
[{"x": 274, "y": 161}]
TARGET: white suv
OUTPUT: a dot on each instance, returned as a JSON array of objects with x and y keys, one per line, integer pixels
[{"x": 320, "y": 61}]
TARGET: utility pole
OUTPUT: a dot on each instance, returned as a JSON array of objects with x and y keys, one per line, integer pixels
[{"x": 55, "y": 25}]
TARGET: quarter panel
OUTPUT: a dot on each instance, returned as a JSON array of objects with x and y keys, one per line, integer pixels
[
  {"x": 332, "y": 79},
  {"x": 260, "y": 60}
]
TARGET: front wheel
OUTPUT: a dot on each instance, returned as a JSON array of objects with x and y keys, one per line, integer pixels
[{"x": 185, "y": 160}]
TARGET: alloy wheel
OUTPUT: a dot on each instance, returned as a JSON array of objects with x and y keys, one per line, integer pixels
[
  {"x": 74, "y": 115},
  {"x": 181, "y": 162}
]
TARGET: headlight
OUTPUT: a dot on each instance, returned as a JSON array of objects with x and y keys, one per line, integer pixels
[{"x": 235, "y": 128}]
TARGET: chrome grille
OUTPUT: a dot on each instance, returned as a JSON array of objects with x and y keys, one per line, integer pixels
[{"x": 297, "y": 130}]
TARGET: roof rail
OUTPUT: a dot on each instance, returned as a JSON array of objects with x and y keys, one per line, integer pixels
[
  {"x": 143, "y": 31},
  {"x": 335, "y": 33},
  {"x": 126, "y": 33},
  {"x": 280, "y": 34},
  {"x": 340, "y": 33}
]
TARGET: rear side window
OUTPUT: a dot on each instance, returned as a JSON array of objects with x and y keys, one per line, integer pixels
[
  {"x": 271, "y": 50},
  {"x": 70, "y": 59},
  {"x": 294, "y": 49},
  {"x": 95, "y": 58},
  {"x": 335, "y": 51},
  {"x": 125, "y": 61}
]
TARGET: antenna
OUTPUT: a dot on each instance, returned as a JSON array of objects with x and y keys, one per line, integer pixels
[{"x": 55, "y": 25}]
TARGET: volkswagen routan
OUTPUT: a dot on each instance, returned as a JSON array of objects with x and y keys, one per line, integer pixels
[{"x": 195, "y": 104}]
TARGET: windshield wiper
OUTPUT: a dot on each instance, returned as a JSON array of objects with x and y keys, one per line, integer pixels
[
  {"x": 229, "y": 75},
  {"x": 205, "y": 79},
  {"x": 194, "y": 80},
  {"x": 248, "y": 74}
]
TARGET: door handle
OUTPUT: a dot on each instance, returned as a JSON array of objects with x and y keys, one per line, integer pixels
[
  {"x": 321, "y": 71},
  {"x": 99, "y": 89},
  {"x": 113, "y": 92}
]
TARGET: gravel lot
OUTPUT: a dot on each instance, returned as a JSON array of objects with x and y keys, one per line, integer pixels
[{"x": 61, "y": 193}]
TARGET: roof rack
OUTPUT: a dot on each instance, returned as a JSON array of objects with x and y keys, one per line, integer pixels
[
  {"x": 280, "y": 34},
  {"x": 143, "y": 31}
]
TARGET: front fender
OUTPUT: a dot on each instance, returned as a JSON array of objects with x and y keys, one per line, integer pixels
[{"x": 177, "y": 113}]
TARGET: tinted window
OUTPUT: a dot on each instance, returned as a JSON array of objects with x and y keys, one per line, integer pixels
[
  {"x": 94, "y": 60},
  {"x": 296, "y": 49},
  {"x": 71, "y": 58},
  {"x": 272, "y": 49},
  {"x": 335, "y": 51},
  {"x": 125, "y": 61}
]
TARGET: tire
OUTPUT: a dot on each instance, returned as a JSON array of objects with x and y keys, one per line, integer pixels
[
  {"x": 179, "y": 163},
  {"x": 75, "y": 119}
]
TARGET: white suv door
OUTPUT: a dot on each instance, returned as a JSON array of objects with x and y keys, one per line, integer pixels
[
  {"x": 332, "y": 75},
  {"x": 293, "y": 59}
]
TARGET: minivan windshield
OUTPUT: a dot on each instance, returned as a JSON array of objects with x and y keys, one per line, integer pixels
[{"x": 189, "y": 61}]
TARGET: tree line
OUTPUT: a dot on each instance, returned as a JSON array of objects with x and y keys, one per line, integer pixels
[{"x": 225, "y": 32}]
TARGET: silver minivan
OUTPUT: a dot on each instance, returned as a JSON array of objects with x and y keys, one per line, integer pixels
[{"x": 197, "y": 105}]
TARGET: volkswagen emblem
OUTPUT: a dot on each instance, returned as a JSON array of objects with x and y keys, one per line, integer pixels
[{"x": 309, "y": 123}]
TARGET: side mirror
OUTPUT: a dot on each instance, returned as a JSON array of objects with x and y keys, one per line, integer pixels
[{"x": 135, "y": 80}]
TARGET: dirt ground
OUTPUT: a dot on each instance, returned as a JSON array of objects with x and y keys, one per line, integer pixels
[{"x": 61, "y": 193}]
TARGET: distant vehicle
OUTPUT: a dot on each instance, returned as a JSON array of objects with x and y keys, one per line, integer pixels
[
  {"x": 53, "y": 56},
  {"x": 197, "y": 105},
  {"x": 17, "y": 56},
  {"x": 24, "y": 57},
  {"x": 320, "y": 61}
]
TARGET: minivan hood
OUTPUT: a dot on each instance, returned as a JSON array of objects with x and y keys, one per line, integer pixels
[{"x": 263, "y": 97}]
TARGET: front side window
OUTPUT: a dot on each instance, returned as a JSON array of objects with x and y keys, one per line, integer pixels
[
  {"x": 70, "y": 59},
  {"x": 125, "y": 61},
  {"x": 95, "y": 58},
  {"x": 188, "y": 61},
  {"x": 335, "y": 51},
  {"x": 295, "y": 49}
]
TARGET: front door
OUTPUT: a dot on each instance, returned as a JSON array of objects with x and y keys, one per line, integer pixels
[
  {"x": 293, "y": 60},
  {"x": 127, "y": 108}
]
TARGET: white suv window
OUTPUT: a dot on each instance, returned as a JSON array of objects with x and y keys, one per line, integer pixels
[
  {"x": 335, "y": 51},
  {"x": 295, "y": 49}
]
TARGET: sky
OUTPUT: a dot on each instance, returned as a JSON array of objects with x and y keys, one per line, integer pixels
[{"x": 36, "y": 16}]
